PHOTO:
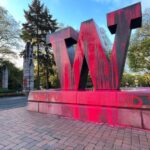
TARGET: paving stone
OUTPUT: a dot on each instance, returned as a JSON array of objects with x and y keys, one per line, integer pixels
[{"x": 24, "y": 130}]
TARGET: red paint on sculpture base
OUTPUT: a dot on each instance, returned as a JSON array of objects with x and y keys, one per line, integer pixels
[{"x": 124, "y": 107}]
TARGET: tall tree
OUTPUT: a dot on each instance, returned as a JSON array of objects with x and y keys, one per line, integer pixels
[
  {"x": 9, "y": 40},
  {"x": 38, "y": 23},
  {"x": 139, "y": 51}
]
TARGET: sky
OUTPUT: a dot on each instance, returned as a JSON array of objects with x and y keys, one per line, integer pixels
[{"x": 73, "y": 12}]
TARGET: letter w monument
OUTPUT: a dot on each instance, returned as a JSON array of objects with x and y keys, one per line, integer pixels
[{"x": 106, "y": 103}]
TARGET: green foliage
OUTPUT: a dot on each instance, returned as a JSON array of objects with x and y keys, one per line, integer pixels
[
  {"x": 54, "y": 81},
  {"x": 139, "y": 50},
  {"x": 9, "y": 39},
  {"x": 139, "y": 56},
  {"x": 38, "y": 23},
  {"x": 47, "y": 70},
  {"x": 130, "y": 80},
  {"x": 6, "y": 91},
  {"x": 15, "y": 79},
  {"x": 15, "y": 75}
]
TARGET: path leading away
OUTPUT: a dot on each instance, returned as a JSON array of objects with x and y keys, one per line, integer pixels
[
  {"x": 12, "y": 102},
  {"x": 24, "y": 130}
]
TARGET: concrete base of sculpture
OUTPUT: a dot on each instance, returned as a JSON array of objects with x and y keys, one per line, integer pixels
[{"x": 130, "y": 107}]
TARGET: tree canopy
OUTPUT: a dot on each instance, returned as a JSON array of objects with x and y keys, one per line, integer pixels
[
  {"x": 9, "y": 40},
  {"x": 38, "y": 22},
  {"x": 139, "y": 50},
  {"x": 9, "y": 31}
]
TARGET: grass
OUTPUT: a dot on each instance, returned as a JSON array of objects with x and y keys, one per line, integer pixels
[{"x": 8, "y": 92}]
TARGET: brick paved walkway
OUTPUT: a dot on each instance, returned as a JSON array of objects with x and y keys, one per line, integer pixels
[{"x": 24, "y": 130}]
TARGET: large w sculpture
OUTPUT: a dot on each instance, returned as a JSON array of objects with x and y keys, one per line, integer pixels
[
  {"x": 79, "y": 54},
  {"x": 90, "y": 54}
]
